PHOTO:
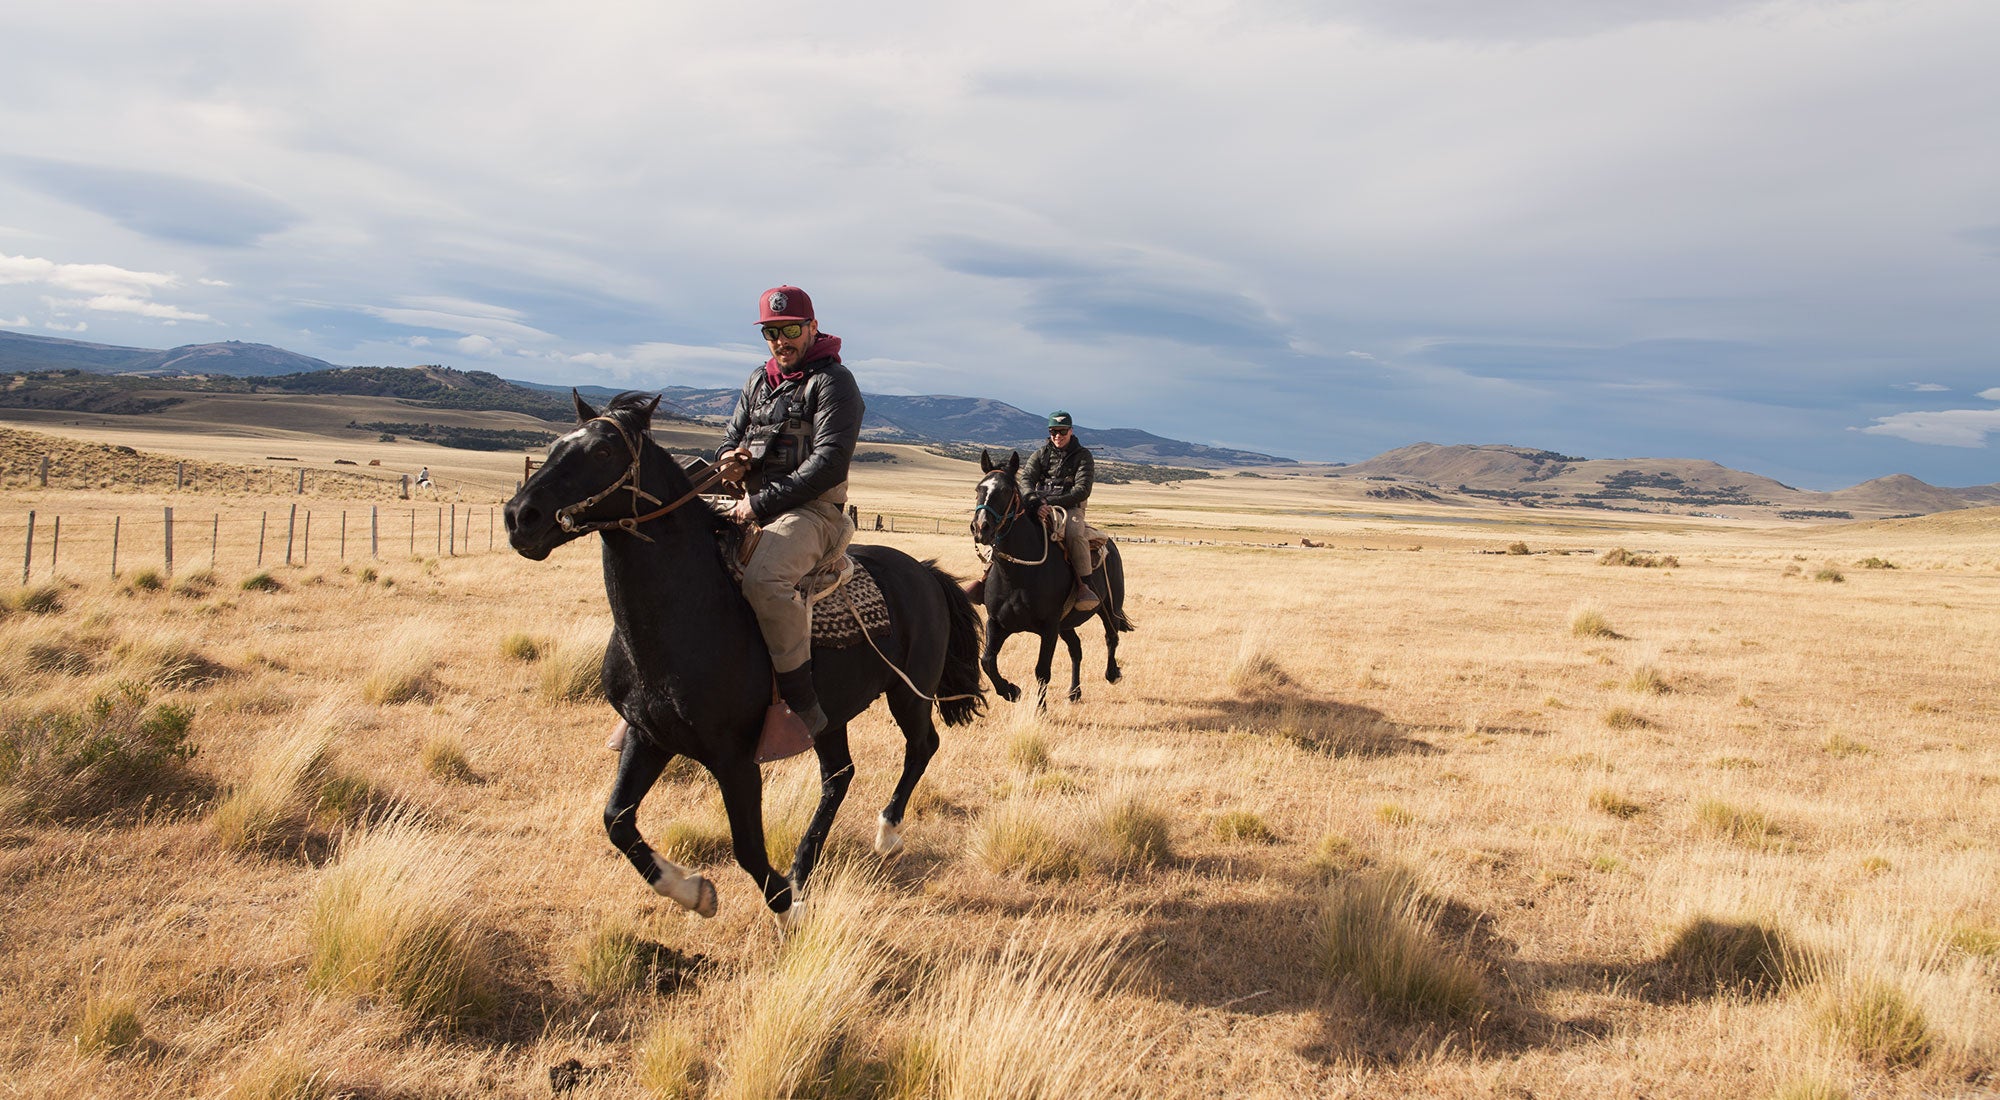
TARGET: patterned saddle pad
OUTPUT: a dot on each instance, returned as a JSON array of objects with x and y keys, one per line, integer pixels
[{"x": 841, "y": 596}]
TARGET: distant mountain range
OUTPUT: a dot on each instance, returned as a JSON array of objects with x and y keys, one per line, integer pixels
[
  {"x": 891, "y": 419},
  {"x": 110, "y": 380}
]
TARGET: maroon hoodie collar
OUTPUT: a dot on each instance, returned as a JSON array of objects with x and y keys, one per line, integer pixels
[{"x": 824, "y": 347}]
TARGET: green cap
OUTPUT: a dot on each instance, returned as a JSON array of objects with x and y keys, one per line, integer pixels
[{"x": 1059, "y": 419}]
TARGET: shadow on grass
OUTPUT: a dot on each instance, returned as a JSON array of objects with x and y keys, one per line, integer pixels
[{"x": 1318, "y": 725}]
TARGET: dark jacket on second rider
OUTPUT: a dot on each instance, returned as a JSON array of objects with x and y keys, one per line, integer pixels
[
  {"x": 1061, "y": 475},
  {"x": 806, "y": 425}
]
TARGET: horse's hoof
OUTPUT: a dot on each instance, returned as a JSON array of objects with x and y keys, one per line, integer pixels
[
  {"x": 1113, "y": 675},
  {"x": 1008, "y": 692},
  {"x": 1076, "y": 695},
  {"x": 888, "y": 838},
  {"x": 705, "y": 902},
  {"x": 792, "y": 919}
]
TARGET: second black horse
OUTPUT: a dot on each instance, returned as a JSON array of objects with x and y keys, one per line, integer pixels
[{"x": 1029, "y": 585}]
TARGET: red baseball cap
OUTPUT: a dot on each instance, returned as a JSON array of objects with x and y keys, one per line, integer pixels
[{"x": 784, "y": 303}]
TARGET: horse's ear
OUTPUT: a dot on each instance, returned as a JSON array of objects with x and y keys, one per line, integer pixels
[
  {"x": 986, "y": 465},
  {"x": 584, "y": 413},
  {"x": 1013, "y": 463},
  {"x": 646, "y": 413}
]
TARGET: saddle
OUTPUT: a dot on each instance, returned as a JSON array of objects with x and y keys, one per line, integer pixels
[
  {"x": 1096, "y": 539},
  {"x": 855, "y": 605}
]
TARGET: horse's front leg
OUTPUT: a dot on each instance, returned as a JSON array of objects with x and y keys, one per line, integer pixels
[
  {"x": 1044, "y": 668},
  {"x": 640, "y": 763},
  {"x": 1075, "y": 644},
  {"x": 996, "y": 636},
  {"x": 1112, "y": 673},
  {"x": 743, "y": 798},
  {"x": 836, "y": 771}
]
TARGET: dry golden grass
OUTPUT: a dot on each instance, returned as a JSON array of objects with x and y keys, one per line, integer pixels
[{"x": 1818, "y": 799}]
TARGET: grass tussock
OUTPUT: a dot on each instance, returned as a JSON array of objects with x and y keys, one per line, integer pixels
[
  {"x": 391, "y": 919},
  {"x": 109, "y": 1023},
  {"x": 1242, "y": 827},
  {"x": 1607, "y": 801},
  {"x": 1255, "y": 673},
  {"x": 196, "y": 584},
  {"x": 1872, "y": 562},
  {"x": 1829, "y": 573},
  {"x": 1518, "y": 549},
  {"x": 668, "y": 1060},
  {"x": 1135, "y": 831},
  {"x": 1029, "y": 751},
  {"x": 116, "y": 750},
  {"x": 1981, "y": 941},
  {"x": 1876, "y": 1021},
  {"x": 1037, "y": 1020},
  {"x": 166, "y": 660},
  {"x": 1624, "y": 557},
  {"x": 573, "y": 669},
  {"x": 1336, "y": 729},
  {"x": 147, "y": 579},
  {"x": 405, "y": 668},
  {"x": 262, "y": 581},
  {"x": 615, "y": 958},
  {"x": 1590, "y": 622},
  {"x": 699, "y": 838},
  {"x": 278, "y": 801},
  {"x": 1018, "y": 838},
  {"x": 1625, "y": 718},
  {"x": 522, "y": 647},
  {"x": 816, "y": 995},
  {"x": 281, "y": 1075},
  {"x": 443, "y": 758},
  {"x": 38, "y": 599},
  {"x": 1647, "y": 680},
  {"x": 1707, "y": 955},
  {"x": 1379, "y": 932},
  {"x": 1841, "y": 746},
  {"x": 1734, "y": 823}
]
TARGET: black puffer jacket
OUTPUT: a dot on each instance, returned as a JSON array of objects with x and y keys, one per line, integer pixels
[
  {"x": 1061, "y": 475},
  {"x": 827, "y": 403}
]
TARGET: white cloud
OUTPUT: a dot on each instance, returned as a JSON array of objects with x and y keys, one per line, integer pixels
[
  {"x": 81, "y": 278},
  {"x": 125, "y": 303},
  {"x": 493, "y": 325},
  {"x": 1949, "y": 428},
  {"x": 1992, "y": 394},
  {"x": 1923, "y": 387},
  {"x": 476, "y": 345},
  {"x": 58, "y": 326}
]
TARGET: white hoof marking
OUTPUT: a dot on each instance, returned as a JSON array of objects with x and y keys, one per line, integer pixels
[
  {"x": 888, "y": 838},
  {"x": 791, "y": 920},
  {"x": 685, "y": 889}
]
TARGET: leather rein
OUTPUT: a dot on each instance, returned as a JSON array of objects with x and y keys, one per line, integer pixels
[
  {"x": 1016, "y": 508},
  {"x": 566, "y": 516}
]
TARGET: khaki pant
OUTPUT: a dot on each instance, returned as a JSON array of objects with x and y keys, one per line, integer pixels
[
  {"x": 1076, "y": 536},
  {"x": 793, "y": 545}
]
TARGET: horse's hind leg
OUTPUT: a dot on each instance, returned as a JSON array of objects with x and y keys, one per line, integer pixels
[
  {"x": 743, "y": 799},
  {"x": 1075, "y": 645},
  {"x": 920, "y": 741},
  {"x": 996, "y": 636},
  {"x": 836, "y": 771},
  {"x": 639, "y": 766}
]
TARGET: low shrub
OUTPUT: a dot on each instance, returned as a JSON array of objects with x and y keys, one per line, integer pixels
[
  {"x": 1622, "y": 556},
  {"x": 1875, "y": 563},
  {"x": 112, "y": 751},
  {"x": 1830, "y": 573}
]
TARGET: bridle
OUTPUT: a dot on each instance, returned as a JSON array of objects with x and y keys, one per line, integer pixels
[
  {"x": 1016, "y": 508},
  {"x": 566, "y": 516}
]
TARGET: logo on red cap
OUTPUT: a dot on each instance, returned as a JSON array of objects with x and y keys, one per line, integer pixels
[{"x": 778, "y": 301}]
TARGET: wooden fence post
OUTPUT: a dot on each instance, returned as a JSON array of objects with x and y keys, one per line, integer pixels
[
  {"x": 374, "y": 532},
  {"x": 28, "y": 555},
  {"x": 115, "y": 520},
  {"x": 302, "y": 481},
  {"x": 413, "y": 526},
  {"x": 454, "y": 528},
  {"x": 440, "y": 531},
  {"x": 291, "y": 525},
  {"x": 343, "y": 534},
  {"x": 214, "y": 533},
  {"x": 263, "y": 523},
  {"x": 180, "y": 476},
  {"x": 45, "y": 471},
  {"x": 306, "y": 542},
  {"x": 55, "y": 547},
  {"x": 169, "y": 542}
]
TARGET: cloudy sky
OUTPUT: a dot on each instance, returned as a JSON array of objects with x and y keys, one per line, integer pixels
[{"x": 1762, "y": 233}]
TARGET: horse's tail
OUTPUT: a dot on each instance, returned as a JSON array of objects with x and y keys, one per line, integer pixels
[
  {"x": 1119, "y": 620},
  {"x": 961, "y": 654}
]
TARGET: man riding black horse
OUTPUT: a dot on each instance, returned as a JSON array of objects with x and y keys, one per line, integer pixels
[
  {"x": 790, "y": 443},
  {"x": 1059, "y": 475}
]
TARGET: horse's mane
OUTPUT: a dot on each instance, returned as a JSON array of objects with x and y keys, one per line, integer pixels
[{"x": 634, "y": 409}]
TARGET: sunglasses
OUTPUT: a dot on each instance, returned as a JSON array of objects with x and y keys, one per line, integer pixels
[
  {"x": 1058, "y": 431},
  {"x": 786, "y": 332}
]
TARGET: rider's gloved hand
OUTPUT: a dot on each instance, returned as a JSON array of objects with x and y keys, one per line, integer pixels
[{"x": 735, "y": 465}]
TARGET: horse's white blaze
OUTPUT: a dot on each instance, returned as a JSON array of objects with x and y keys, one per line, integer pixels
[
  {"x": 683, "y": 887},
  {"x": 572, "y": 437},
  {"x": 888, "y": 838}
]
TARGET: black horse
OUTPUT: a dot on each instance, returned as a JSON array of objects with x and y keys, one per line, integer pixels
[
  {"x": 1030, "y": 583},
  {"x": 686, "y": 666}
]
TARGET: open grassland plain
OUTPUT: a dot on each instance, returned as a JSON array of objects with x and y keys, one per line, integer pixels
[{"x": 1465, "y": 804}]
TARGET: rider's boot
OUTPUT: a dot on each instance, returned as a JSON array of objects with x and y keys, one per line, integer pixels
[
  {"x": 1086, "y": 596},
  {"x": 797, "y": 688}
]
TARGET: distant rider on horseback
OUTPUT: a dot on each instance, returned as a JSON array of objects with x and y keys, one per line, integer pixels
[
  {"x": 789, "y": 444},
  {"x": 1060, "y": 476}
]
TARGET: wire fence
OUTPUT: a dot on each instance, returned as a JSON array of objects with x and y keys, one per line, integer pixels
[{"x": 95, "y": 543}]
